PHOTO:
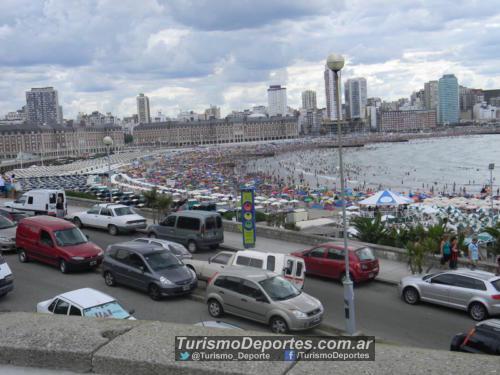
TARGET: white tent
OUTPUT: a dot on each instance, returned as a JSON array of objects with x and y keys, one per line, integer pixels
[{"x": 385, "y": 198}]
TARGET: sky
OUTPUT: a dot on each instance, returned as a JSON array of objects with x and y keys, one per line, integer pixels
[{"x": 188, "y": 54}]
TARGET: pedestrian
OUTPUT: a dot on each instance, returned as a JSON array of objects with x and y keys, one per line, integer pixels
[
  {"x": 473, "y": 253},
  {"x": 454, "y": 253},
  {"x": 60, "y": 208},
  {"x": 445, "y": 249}
]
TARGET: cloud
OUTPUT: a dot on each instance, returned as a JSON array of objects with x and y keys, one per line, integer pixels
[{"x": 187, "y": 54}]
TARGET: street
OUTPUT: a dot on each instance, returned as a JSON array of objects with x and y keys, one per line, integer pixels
[{"x": 379, "y": 310}]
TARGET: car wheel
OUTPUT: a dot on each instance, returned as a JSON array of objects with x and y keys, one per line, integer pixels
[
  {"x": 278, "y": 325},
  {"x": 23, "y": 257},
  {"x": 477, "y": 311},
  {"x": 113, "y": 230},
  {"x": 78, "y": 222},
  {"x": 215, "y": 308},
  {"x": 109, "y": 279},
  {"x": 152, "y": 235},
  {"x": 154, "y": 292},
  {"x": 63, "y": 266},
  {"x": 410, "y": 295},
  {"x": 191, "y": 246}
]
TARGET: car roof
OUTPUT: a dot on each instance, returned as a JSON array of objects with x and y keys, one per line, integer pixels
[
  {"x": 339, "y": 246},
  {"x": 195, "y": 213},
  {"x": 165, "y": 242},
  {"x": 248, "y": 273},
  {"x": 51, "y": 222},
  {"x": 110, "y": 205},
  {"x": 494, "y": 323},
  {"x": 86, "y": 297},
  {"x": 44, "y": 190},
  {"x": 139, "y": 247},
  {"x": 482, "y": 275}
]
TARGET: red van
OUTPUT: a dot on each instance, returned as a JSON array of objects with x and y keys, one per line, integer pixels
[
  {"x": 57, "y": 242},
  {"x": 328, "y": 260}
]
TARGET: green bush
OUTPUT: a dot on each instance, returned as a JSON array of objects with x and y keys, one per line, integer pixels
[{"x": 79, "y": 194}]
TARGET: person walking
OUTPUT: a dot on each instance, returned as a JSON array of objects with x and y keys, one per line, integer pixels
[
  {"x": 454, "y": 253},
  {"x": 60, "y": 208},
  {"x": 473, "y": 253},
  {"x": 445, "y": 249}
]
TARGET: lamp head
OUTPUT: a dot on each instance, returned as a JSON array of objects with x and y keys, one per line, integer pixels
[
  {"x": 107, "y": 140},
  {"x": 335, "y": 62}
]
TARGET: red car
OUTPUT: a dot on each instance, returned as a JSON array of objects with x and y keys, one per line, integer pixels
[
  {"x": 56, "y": 242},
  {"x": 328, "y": 260}
]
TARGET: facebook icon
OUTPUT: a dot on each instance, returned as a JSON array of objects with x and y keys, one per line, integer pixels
[{"x": 290, "y": 355}]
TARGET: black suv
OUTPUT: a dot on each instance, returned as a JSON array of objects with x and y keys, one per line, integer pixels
[
  {"x": 149, "y": 268},
  {"x": 484, "y": 338}
]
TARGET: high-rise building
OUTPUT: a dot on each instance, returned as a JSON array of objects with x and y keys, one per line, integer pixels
[
  {"x": 143, "y": 109},
  {"x": 42, "y": 106},
  {"x": 309, "y": 99},
  {"x": 212, "y": 113},
  {"x": 332, "y": 97},
  {"x": 431, "y": 95},
  {"x": 448, "y": 103},
  {"x": 355, "y": 98},
  {"x": 276, "y": 100}
]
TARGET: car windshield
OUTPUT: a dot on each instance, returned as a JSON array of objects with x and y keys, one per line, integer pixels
[
  {"x": 178, "y": 249},
  {"x": 496, "y": 284},
  {"x": 121, "y": 211},
  {"x": 161, "y": 260},
  {"x": 428, "y": 276},
  {"x": 6, "y": 223},
  {"x": 107, "y": 310},
  {"x": 365, "y": 254},
  {"x": 279, "y": 289},
  {"x": 70, "y": 237}
]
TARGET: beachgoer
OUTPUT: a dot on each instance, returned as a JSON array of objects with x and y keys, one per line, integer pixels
[
  {"x": 445, "y": 249},
  {"x": 473, "y": 253},
  {"x": 454, "y": 253}
]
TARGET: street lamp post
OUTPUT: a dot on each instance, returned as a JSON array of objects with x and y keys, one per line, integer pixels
[
  {"x": 491, "y": 166},
  {"x": 336, "y": 63},
  {"x": 108, "y": 142}
]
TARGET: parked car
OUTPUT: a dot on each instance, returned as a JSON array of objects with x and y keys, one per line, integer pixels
[
  {"x": 484, "y": 338},
  {"x": 290, "y": 267},
  {"x": 148, "y": 268},
  {"x": 264, "y": 297},
  {"x": 7, "y": 235},
  {"x": 327, "y": 260},
  {"x": 85, "y": 302},
  {"x": 57, "y": 242},
  {"x": 115, "y": 218},
  {"x": 477, "y": 292},
  {"x": 193, "y": 229},
  {"x": 39, "y": 201},
  {"x": 6, "y": 277},
  {"x": 15, "y": 215},
  {"x": 176, "y": 248}
]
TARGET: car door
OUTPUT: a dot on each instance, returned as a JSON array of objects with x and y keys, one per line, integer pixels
[
  {"x": 104, "y": 219},
  {"x": 46, "y": 250},
  {"x": 119, "y": 266},
  {"x": 228, "y": 289},
  {"x": 91, "y": 217},
  {"x": 314, "y": 260},
  {"x": 252, "y": 303},
  {"x": 436, "y": 289},
  {"x": 215, "y": 264},
  {"x": 333, "y": 265},
  {"x": 166, "y": 229},
  {"x": 463, "y": 289},
  {"x": 137, "y": 272}
]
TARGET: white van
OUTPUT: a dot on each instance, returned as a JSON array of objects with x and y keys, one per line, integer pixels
[{"x": 39, "y": 201}]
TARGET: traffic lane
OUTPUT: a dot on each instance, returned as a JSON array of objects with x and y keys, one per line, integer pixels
[{"x": 381, "y": 312}]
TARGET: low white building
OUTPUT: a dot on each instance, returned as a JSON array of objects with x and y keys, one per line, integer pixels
[{"x": 484, "y": 111}]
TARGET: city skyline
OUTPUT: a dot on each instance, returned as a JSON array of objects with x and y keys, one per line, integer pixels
[{"x": 231, "y": 54}]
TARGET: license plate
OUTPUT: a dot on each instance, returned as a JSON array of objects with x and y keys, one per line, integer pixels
[
  {"x": 93, "y": 263},
  {"x": 186, "y": 287}
]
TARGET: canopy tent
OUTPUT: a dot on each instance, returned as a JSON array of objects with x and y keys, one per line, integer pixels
[{"x": 385, "y": 198}]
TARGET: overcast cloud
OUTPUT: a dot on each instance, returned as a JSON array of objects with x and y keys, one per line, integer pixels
[{"x": 187, "y": 54}]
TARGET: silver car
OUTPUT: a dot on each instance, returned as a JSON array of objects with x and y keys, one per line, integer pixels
[
  {"x": 476, "y": 292},
  {"x": 264, "y": 297},
  {"x": 7, "y": 234},
  {"x": 175, "y": 248}
]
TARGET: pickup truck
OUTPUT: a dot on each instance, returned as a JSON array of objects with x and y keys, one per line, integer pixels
[{"x": 289, "y": 266}]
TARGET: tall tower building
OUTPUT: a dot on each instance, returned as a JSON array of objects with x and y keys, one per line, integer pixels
[
  {"x": 332, "y": 97},
  {"x": 143, "y": 109},
  {"x": 42, "y": 106},
  {"x": 431, "y": 95},
  {"x": 309, "y": 99},
  {"x": 276, "y": 100},
  {"x": 448, "y": 100},
  {"x": 355, "y": 98}
]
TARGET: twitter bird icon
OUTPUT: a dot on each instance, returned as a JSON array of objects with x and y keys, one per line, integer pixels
[{"x": 184, "y": 356}]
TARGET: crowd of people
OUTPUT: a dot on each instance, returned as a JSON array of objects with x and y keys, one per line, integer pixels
[{"x": 9, "y": 186}]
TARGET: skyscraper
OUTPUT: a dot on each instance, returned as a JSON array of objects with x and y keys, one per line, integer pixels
[
  {"x": 331, "y": 94},
  {"x": 42, "y": 106},
  {"x": 448, "y": 103},
  {"x": 276, "y": 100},
  {"x": 355, "y": 98},
  {"x": 309, "y": 99},
  {"x": 431, "y": 95},
  {"x": 143, "y": 109}
]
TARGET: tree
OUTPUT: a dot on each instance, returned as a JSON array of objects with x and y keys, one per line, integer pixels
[
  {"x": 495, "y": 233},
  {"x": 370, "y": 230},
  {"x": 163, "y": 203},
  {"x": 151, "y": 197}
]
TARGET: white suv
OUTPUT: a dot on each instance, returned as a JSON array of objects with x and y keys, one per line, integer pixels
[{"x": 113, "y": 217}]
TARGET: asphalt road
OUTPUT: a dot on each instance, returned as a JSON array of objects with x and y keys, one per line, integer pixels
[{"x": 379, "y": 310}]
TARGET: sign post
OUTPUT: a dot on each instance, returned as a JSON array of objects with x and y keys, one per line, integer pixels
[{"x": 248, "y": 217}]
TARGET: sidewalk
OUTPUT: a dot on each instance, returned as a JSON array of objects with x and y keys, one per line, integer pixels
[{"x": 15, "y": 370}]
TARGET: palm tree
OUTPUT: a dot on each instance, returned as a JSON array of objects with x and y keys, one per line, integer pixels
[
  {"x": 495, "y": 233},
  {"x": 370, "y": 230},
  {"x": 163, "y": 203},
  {"x": 151, "y": 197}
]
